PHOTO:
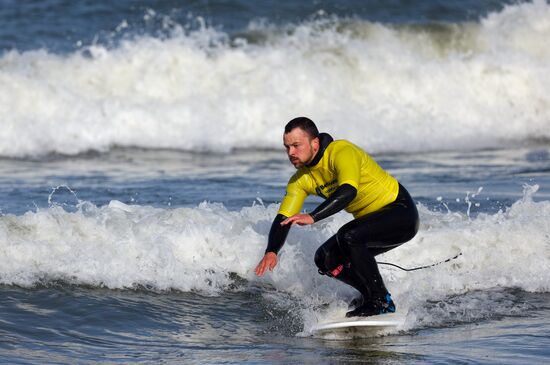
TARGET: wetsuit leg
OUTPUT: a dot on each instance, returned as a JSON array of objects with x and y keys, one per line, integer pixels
[
  {"x": 375, "y": 233},
  {"x": 349, "y": 255},
  {"x": 331, "y": 261}
]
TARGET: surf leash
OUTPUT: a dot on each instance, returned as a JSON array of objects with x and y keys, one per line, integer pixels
[{"x": 420, "y": 267}]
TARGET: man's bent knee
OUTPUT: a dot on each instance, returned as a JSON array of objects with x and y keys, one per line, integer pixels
[
  {"x": 320, "y": 259},
  {"x": 328, "y": 256}
]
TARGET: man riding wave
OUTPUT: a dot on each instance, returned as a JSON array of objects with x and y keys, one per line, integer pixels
[{"x": 385, "y": 215}]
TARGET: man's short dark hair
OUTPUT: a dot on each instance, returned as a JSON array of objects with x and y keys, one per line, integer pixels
[{"x": 304, "y": 124}]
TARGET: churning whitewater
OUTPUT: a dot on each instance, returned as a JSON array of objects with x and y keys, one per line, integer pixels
[
  {"x": 206, "y": 248},
  {"x": 445, "y": 87}
]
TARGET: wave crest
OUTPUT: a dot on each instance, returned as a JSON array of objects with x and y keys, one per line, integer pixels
[{"x": 389, "y": 88}]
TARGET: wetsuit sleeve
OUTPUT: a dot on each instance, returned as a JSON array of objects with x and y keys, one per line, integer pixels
[
  {"x": 291, "y": 204},
  {"x": 277, "y": 234},
  {"x": 294, "y": 198},
  {"x": 337, "y": 201}
]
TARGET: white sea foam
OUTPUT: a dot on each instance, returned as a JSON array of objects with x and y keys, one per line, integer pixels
[
  {"x": 388, "y": 88},
  {"x": 200, "y": 249}
]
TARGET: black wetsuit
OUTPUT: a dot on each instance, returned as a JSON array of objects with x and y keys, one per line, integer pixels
[{"x": 349, "y": 254}]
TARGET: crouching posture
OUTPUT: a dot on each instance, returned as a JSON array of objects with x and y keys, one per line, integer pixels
[{"x": 385, "y": 215}]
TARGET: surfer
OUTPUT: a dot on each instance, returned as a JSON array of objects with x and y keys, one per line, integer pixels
[{"x": 385, "y": 215}]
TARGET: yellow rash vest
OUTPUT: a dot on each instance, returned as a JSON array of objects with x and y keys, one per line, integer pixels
[{"x": 342, "y": 162}]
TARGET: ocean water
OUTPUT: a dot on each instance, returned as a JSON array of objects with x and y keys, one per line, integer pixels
[{"x": 141, "y": 165}]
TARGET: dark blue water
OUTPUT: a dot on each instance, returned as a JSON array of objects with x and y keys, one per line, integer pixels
[
  {"x": 141, "y": 166},
  {"x": 63, "y": 26}
]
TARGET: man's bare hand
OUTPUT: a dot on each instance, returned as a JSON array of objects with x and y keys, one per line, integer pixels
[
  {"x": 299, "y": 219},
  {"x": 268, "y": 262}
]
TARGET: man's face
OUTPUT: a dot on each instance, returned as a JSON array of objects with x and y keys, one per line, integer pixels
[{"x": 299, "y": 147}]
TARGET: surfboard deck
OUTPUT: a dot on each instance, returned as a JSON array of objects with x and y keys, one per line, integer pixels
[{"x": 370, "y": 324}]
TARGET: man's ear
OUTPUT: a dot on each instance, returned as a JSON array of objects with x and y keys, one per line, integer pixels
[{"x": 316, "y": 143}]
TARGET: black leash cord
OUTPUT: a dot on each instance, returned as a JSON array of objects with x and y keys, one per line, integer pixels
[{"x": 420, "y": 267}]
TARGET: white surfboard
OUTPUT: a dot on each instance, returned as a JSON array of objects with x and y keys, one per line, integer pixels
[{"x": 377, "y": 323}]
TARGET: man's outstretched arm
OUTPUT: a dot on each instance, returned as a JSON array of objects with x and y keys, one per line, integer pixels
[{"x": 275, "y": 241}]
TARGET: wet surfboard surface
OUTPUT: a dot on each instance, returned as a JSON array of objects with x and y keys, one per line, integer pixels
[{"x": 377, "y": 323}]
